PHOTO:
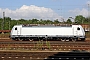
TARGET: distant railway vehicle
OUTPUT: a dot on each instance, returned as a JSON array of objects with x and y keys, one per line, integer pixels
[
  {"x": 5, "y": 31},
  {"x": 62, "y": 33}
]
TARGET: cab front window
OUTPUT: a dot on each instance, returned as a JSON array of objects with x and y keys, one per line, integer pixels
[
  {"x": 16, "y": 28},
  {"x": 78, "y": 28}
]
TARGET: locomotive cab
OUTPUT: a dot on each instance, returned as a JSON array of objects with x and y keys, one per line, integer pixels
[
  {"x": 15, "y": 32},
  {"x": 78, "y": 32}
]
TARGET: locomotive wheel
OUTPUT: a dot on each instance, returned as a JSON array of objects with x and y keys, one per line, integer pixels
[
  {"x": 83, "y": 39},
  {"x": 58, "y": 39},
  {"x": 16, "y": 39},
  {"x": 74, "y": 40},
  {"x": 67, "y": 39},
  {"x": 20, "y": 39},
  {"x": 30, "y": 39},
  {"x": 63, "y": 40},
  {"x": 41, "y": 40}
]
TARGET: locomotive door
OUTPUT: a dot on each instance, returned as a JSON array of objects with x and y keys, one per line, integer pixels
[
  {"x": 76, "y": 31},
  {"x": 18, "y": 31}
]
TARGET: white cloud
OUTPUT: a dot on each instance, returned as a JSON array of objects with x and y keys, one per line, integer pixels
[
  {"x": 85, "y": 12},
  {"x": 30, "y": 12},
  {"x": 88, "y": 2},
  {"x": 76, "y": 12}
]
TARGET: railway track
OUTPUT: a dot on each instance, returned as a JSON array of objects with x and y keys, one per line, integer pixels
[
  {"x": 32, "y": 50},
  {"x": 44, "y": 42},
  {"x": 42, "y": 45},
  {"x": 72, "y": 55},
  {"x": 61, "y": 46},
  {"x": 25, "y": 55}
]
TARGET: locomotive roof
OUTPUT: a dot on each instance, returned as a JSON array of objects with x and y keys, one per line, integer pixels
[{"x": 46, "y": 25}]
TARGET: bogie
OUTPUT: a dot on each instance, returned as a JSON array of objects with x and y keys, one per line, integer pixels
[{"x": 74, "y": 39}]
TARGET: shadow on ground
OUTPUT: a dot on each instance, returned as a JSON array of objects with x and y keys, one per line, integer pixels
[{"x": 73, "y": 55}]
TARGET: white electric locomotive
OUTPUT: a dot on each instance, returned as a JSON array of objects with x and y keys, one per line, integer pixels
[{"x": 62, "y": 33}]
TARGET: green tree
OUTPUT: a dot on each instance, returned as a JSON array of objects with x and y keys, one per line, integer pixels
[
  {"x": 49, "y": 22},
  {"x": 87, "y": 21},
  {"x": 80, "y": 19},
  {"x": 7, "y": 18},
  {"x": 1, "y": 23},
  {"x": 56, "y": 21},
  {"x": 6, "y": 23},
  {"x": 69, "y": 21},
  {"x": 34, "y": 21}
]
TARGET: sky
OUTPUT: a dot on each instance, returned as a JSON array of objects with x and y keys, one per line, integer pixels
[{"x": 44, "y": 9}]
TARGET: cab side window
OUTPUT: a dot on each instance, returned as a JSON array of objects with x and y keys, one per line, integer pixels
[
  {"x": 78, "y": 28},
  {"x": 16, "y": 28}
]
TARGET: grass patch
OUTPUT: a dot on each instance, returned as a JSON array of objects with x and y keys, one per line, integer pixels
[
  {"x": 40, "y": 45},
  {"x": 5, "y": 35},
  {"x": 87, "y": 34}
]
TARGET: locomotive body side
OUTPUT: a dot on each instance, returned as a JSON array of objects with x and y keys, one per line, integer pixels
[{"x": 51, "y": 32}]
